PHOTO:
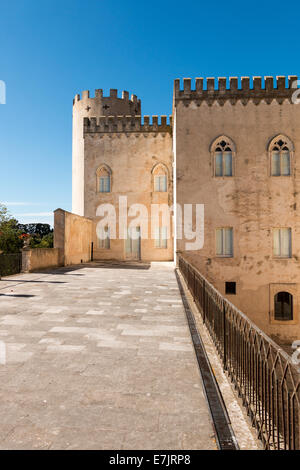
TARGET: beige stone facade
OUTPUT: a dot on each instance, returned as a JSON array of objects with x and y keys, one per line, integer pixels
[
  {"x": 252, "y": 202},
  {"x": 235, "y": 150},
  {"x": 72, "y": 236}
]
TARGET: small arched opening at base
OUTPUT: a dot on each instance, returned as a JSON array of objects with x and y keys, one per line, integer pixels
[{"x": 283, "y": 306}]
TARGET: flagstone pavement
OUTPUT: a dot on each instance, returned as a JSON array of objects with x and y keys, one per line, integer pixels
[{"x": 99, "y": 356}]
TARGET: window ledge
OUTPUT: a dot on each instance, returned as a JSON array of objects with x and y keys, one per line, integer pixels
[
  {"x": 223, "y": 177},
  {"x": 283, "y": 322}
]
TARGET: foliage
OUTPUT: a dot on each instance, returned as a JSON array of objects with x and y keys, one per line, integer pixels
[
  {"x": 4, "y": 215},
  {"x": 13, "y": 234},
  {"x": 42, "y": 242},
  {"x": 36, "y": 229},
  {"x": 10, "y": 241}
]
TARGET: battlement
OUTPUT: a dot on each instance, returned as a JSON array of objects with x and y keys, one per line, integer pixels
[
  {"x": 126, "y": 124},
  {"x": 113, "y": 94},
  {"x": 245, "y": 89}
]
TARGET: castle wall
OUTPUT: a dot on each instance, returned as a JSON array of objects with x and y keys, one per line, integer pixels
[
  {"x": 130, "y": 150},
  {"x": 73, "y": 237},
  {"x": 39, "y": 258},
  {"x": 251, "y": 201}
]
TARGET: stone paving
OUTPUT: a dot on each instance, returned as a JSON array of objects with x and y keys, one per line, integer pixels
[{"x": 99, "y": 357}]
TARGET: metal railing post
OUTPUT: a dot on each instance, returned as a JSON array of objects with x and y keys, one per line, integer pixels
[
  {"x": 224, "y": 338},
  {"x": 194, "y": 288},
  {"x": 204, "y": 301}
]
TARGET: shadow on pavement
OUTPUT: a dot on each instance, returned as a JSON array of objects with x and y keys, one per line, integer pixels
[{"x": 17, "y": 295}]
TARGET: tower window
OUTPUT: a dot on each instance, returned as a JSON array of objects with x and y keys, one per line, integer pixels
[
  {"x": 160, "y": 183},
  {"x": 230, "y": 288},
  {"x": 160, "y": 178},
  {"x": 103, "y": 179},
  {"x": 283, "y": 306},
  {"x": 104, "y": 184}
]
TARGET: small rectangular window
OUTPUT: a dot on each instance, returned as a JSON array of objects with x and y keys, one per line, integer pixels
[
  {"x": 230, "y": 288},
  {"x": 104, "y": 184},
  {"x": 283, "y": 306},
  {"x": 224, "y": 241},
  {"x": 282, "y": 242},
  {"x": 104, "y": 239},
  {"x": 161, "y": 237}
]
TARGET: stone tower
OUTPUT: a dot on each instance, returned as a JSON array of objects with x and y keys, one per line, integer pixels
[{"x": 85, "y": 106}]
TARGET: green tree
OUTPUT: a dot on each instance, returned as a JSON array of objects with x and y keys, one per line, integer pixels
[
  {"x": 4, "y": 215},
  {"x": 42, "y": 242},
  {"x": 36, "y": 229},
  {"x": 12, "y": 233},
  {"x": 10, "y": 241}
]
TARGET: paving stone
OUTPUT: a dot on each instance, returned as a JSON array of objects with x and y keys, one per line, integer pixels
[{"x": 99, "y": 358}]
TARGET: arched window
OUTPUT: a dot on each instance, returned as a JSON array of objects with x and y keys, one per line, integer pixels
[
  {"x": 103, "y": 179},
  {"x": 160, "y": 178},
  {"x": 281, "y": 149},
  {"x": 283, "y": 306},
  {"x": 223, "y": 151}
]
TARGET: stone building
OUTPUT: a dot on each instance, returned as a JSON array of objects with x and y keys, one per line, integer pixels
[
  {"x": 236, "y": 153},
  {"x": 234, "y": 149},
  {"x": 115, "y": 156}
]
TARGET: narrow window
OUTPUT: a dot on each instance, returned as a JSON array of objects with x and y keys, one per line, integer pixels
[
  {"x": 281, "y": 157},
  {"x": 230, "y": 288},
  {"x": 224, "y": 241},
  {"x": 283, "y": 306},
  {"x": 160, "y": 182},
  {"x": 161, "y": 237},
  {"x": 104, "y": 184},
  {"x": 104, "y": 240},
  {"x": 282, "y": 242},
  {"x": 223, "y": 158},
  {"x": 103, "y": 179}
]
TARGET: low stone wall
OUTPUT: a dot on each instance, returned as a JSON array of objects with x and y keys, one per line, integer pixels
[
  {"x": 73, "y": 237},
  {"x": 39, "y": 258}
]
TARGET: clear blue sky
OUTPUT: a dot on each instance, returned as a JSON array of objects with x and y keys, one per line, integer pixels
[{"x": 51, "y": 50}]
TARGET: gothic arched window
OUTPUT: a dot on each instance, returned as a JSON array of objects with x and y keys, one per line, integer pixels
[
  {"x": 281, "y": 149},
  {"x": 283, "y": 306},
  {"x": 223, "y": 151},
  {"x": 103, "y": 179},
  {"x": 160, "y": 178}
]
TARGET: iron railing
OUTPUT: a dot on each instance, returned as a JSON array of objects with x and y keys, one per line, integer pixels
[
  {"x": 10, "y": 263},
  {"x": 263, "y": 374}
]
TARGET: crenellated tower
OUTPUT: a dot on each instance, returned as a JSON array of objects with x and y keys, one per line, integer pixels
[{"x": 85, "y": 106}]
